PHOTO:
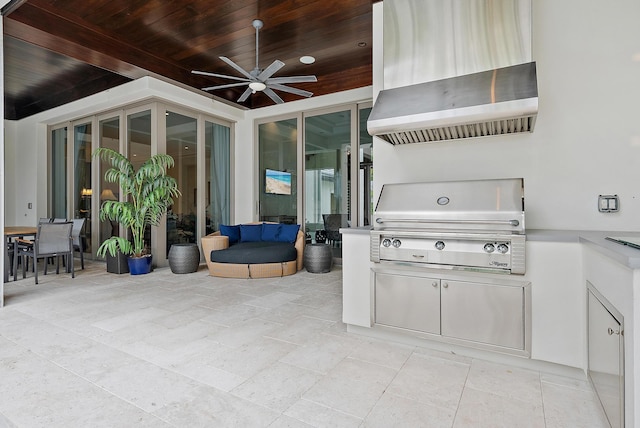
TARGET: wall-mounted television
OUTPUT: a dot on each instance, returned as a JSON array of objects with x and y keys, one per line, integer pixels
[{"x": 277, "y": 182}]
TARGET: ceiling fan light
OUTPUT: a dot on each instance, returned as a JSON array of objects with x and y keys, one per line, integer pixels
[{"x": 257, "y": 86}]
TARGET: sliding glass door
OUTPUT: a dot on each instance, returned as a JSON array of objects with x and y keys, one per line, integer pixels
[
  {"x": 278, "y": 171},
  {"x": 217, "y": 141},
  {"x": 110, "y": 139},
  {"x": 139, "y": 149},
  {"x": 327, "y": 154},
  {"x": 365, "y": 169},
  {"x": 181, "y": 137},
  {"x": 199, "y": 144},
  {"x": 82, "y": 188}
]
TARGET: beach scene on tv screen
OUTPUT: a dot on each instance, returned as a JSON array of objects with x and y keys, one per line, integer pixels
[{"x": 278, "y": 182}]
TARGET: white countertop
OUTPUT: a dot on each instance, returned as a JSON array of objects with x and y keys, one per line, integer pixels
[{"x": 627, "y": 256}]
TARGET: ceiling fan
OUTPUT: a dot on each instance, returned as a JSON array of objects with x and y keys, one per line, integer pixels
[{"x": 259, "y": 79}]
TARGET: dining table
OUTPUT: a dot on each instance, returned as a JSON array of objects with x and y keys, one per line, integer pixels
[{"x": 15, "y": 232}]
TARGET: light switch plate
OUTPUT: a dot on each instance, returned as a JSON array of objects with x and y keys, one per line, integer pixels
[{"x": 608, "y": 203}]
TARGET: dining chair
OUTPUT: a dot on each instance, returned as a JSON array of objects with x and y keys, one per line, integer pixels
[
  {"x": 77, "y": 232},
  {"x": 332, "y": 225},
  {"x": 8, "y": 261},
  {"x": 52, "y": 240}
]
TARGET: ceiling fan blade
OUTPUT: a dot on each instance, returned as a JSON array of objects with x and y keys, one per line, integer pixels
[
  {"x": 271, "y": 70},
  {"x": 245, "y": 95},
  {"x": 230, "y": 85},
  {"x": 293, "y": 79},
  {"x": 295, "y": 91},
  {"x": 237, "y": 68},
  {"x": 224, "y": 76},
  {"x": 276, "y": 99}
]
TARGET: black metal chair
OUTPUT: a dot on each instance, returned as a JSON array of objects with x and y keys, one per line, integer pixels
[
  {"x": 52, "y": 240},
  {"x": 8, "y": 261},
  {"x": 332, "y": 225},
  {"x": 78, "y": 238}
]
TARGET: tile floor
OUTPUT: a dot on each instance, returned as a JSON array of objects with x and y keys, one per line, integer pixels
[{"x": 165, "y": 350}]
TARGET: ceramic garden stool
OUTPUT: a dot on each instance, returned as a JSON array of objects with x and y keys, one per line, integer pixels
[
  {"x": 184, "y": 258},
  {"x": 317, "y": 258}
]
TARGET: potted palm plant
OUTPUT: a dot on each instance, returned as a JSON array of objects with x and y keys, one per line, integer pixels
[{"x": 148, "y": 192}]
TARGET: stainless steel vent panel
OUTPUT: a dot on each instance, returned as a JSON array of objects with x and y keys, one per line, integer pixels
[{"x": 473, "y": 130}]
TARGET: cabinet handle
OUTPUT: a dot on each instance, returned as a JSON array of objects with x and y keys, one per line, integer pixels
[
  {"x": 445, "y": 285},
  {"x": 434, "y": 283},
  {"x": 612, "y": 331}
]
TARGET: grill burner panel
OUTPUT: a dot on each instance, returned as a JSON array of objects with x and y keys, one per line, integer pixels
[{"x": 493, "y": 253}]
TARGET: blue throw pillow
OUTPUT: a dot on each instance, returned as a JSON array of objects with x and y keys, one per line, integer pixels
[
  {"x": 233, "y": 232},
  {"x": 250, "y": 232},
  {"x": 271, "y": 232},
  {"x": 289, "y": 233}
]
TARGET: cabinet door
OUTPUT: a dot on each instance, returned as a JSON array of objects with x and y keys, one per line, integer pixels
[
  {"x": 485, "y": 313},
  {"x": 605, "y": 359},
  {"x": 408, "y": 302}
]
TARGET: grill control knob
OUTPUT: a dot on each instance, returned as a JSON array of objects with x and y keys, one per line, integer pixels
[
  {"x": 386, "y": 242},
  {"x": 503, "y": 248},
  {"x": 489, "y": 248},
  {"x": 396, "y": 243},
  {"x": 439, "y": 245}
]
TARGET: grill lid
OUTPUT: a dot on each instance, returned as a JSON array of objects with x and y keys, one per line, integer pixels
[{"x": 472, "y": 205}]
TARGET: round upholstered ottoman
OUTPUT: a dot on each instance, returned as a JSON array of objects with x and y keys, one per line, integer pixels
[
  {"x": 317, "y": 258},
  {"x": 184, "y": 258}
]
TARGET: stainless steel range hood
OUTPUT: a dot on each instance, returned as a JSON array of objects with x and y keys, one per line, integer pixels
[
  {"x": 494, "y": 102},
  {"x": 455, "y": 69}
]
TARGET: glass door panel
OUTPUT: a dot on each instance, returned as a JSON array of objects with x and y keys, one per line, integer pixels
[
  {"x": 217, "y": 142},
  {"x": 277, "y": 186},
  {"x": 181, "y": 145},
  {"x": 82, "y": 189},
  {"x": 365, "y": 176},
  {"x": 58, "y": 201},
  {"x": 139, "y": 149},
  {"x": 109, "y": 138},
  {"x": 327, "y": 174}
]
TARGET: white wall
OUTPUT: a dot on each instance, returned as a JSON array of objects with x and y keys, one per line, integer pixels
[
  {"x": 26, "y": 154},
  {"x": 586, "y": 140}
]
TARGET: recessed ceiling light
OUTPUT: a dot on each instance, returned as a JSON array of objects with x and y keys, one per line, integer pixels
[
  {"x": 362, "y": 44},
  {"x": 307, "y": 59}
]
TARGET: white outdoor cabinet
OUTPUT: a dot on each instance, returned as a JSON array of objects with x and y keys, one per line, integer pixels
[
  {"x": 606, "y": 355},
  {"x": 484, "y": 313},
  {"x": 356, "y": 283},
  {"x": 480, "y": 313},
  {"x": 408, "y": 302}
]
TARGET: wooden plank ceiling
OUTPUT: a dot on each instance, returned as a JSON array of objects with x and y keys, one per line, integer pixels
[{"x": 57, "y": 51}]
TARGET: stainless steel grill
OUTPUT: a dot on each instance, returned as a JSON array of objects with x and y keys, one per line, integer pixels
[{"x": 467, "y": 225}]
